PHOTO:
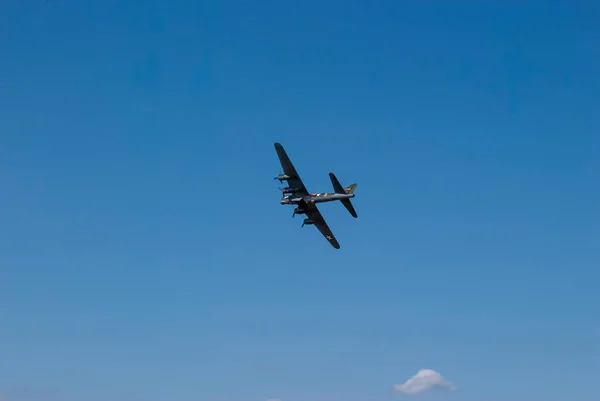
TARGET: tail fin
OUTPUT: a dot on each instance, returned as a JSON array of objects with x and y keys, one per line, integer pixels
[
  {"x": 350, "y": 188},
  {"x": 339, "y": 189}
]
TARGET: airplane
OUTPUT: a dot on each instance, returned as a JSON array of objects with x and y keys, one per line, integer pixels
[{"x": 306, "y": 202}]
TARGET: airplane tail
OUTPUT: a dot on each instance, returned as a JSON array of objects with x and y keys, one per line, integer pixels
[
  {"x": 350, "y": 188},
  {"x": 339, "y": 189}
]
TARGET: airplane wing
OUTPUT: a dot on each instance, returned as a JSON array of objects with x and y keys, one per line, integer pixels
[
  {"x": 313, "y": 213},
  {"x": 288, "y": 169}
]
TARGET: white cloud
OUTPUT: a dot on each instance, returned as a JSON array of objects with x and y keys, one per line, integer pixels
[{"x": 424, "y": 380}]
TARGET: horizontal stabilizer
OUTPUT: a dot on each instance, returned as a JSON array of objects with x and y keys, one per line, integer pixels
[
  {"x": 348, "y": 205},
  {"x": 337, "y": 187}
]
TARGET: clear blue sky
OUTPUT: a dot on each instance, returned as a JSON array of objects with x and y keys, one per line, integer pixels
[{"x": 144, "y": 253}]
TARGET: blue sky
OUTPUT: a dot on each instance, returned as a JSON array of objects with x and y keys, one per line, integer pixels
[{"x": 145, "y": 256}]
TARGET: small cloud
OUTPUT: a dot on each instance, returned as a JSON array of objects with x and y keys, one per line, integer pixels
[{"x": 424, "y": 380}]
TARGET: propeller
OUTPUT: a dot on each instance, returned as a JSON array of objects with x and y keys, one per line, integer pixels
[{"x": 281, "y": 177}]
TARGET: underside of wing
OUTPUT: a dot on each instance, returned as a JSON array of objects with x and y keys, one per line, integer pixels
[
  {"x": 315, "y": 215},
  {"x": 294, "y": 180}
]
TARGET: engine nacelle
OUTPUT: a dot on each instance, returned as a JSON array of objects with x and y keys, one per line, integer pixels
[
  {"x": 308, "y": 221},
  {"x": 299, "y": 211},
  {"x": 288, "y": 190},
  {"x": 282, "y": 177}
]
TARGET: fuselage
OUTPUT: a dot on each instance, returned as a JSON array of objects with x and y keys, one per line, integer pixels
[{"x": 315, "y": 198}]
